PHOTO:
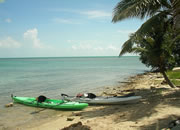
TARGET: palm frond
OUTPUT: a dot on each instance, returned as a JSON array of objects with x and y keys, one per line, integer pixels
[
  {"x": 153, "y": 22},
  {"x": 127, "y": 46},
  {"x": 139, "y": 50},
  {"x": 176, "y": 3},
  {"x": 176, "y": 11},
  {"x": 138, "y": 8},
  {"x": 141, "y": 34}
]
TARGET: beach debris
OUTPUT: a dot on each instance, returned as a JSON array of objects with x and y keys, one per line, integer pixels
[
  {"x": 163, "y": 82},
  {"x": 128, "y": 90},
  {"x": 77, "y": 126},
  {"x": 114, "y": 88},
  {"x": 153, "y": 89},
  {"x": 81, "y": 117},
  {"x": 9, "y": 104},
  {"x": 88, "y": 121},
  {"x": 104, "y": 92},
  {"x": 159, "y": 76},
  {"x": 122, "y": 115},
  {"x": 77, "y": 114},
  {"x": 70, "y": 119},
  {"x": 107, "y": 88}
]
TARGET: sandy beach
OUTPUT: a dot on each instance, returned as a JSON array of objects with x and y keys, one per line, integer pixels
[{"x": 159, "y": 105}]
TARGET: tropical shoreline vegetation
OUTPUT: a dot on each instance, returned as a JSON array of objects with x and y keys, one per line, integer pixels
[{"x": 157, "y": 41}]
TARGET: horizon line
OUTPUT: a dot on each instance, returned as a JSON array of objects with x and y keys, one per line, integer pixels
[{"x": 62, "y": 57}]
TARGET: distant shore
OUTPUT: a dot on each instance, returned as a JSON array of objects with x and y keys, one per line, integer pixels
[{"x": 159, "y": 105}]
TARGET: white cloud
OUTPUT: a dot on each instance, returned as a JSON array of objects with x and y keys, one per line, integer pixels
[
  {"x": 90, "y": 42},
  {"x": 96, "y": 14},
  {"x": 91, "y": 47},
  {"x": 65, "y": 21},
  {"x": 74, "y": 47},
  {"x": 89, "y": 13},
  {"x": 32, "y": 34},
  {"x": 82, "y": 47},
  {"x": 8, "y": 20},
  {"x": 9, "y": 43},
  {"x": 63, "y": 10},
  {"x": 111, "y": 47},
  {"x": 85, "y": 47},
  {"x": 70, "y": 41},
  {"x": 99, "y": 49}
]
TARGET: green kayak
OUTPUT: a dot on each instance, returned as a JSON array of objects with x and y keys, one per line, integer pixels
[{"x": 50, "y": 103}]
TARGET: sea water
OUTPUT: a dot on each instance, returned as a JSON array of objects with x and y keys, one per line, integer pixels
[{"x": 31, "y": 77}]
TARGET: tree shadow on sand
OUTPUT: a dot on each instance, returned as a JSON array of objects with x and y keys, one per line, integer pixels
[
  {"x": 160, "y": 123},
  {"x": 144, "y": 109}
]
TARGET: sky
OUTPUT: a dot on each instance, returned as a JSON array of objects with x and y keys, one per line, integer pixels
[{"x": 62, "y": 28}]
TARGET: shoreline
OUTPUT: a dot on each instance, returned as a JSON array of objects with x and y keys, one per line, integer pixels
[{"x": 159, "y": 105}]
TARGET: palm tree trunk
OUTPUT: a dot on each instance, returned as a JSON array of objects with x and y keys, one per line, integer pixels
[{"x": 167, "y": 80}]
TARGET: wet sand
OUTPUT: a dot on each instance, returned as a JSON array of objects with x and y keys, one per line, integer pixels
[{"x": 160, "y": 105}]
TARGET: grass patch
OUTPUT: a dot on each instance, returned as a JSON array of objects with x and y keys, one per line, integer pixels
[
  {"x": 173, "y": 75},
  {"x": 176, "y": 82}
]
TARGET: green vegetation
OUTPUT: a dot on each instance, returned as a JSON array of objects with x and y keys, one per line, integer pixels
[
  {"x": 156, "y": 40},
  {"x": 174, "y": 77},
  {"x": 147, "y": 8},
  {"x": 176, "y": 82},
  {"x": 173, "y": 74}
]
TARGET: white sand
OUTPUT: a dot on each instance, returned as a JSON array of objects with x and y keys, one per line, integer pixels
[{"x": 160, "y": 105}]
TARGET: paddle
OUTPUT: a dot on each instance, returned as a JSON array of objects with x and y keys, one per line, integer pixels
[
  {"x": 35, "y": 112},
  {"x": 64, "y": 95}
]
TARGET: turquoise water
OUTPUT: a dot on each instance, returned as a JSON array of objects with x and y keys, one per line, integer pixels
[{"x": 53, "y": 76}]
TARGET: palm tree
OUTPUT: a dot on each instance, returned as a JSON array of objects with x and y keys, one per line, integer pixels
[
  {"x": 148, "y": 27},
  {"x": 176, "y": 15},
  {"x": 155, "y": 45},
  {"x": 149, "y": 9},
  {"x": 155, "y": 9},
  {"x": 158, "y": 11}
]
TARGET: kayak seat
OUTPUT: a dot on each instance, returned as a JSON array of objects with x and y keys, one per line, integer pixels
[
  {"x": 86, "y": 95},
  {"x": 41, "y": 99}
]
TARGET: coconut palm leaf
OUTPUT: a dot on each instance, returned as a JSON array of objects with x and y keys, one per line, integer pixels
[
  {"x": 152, "y": 23},
  {"x": 138, "y": 8},
  {"x": 127, "y": 46},
  {"x": 139, "y": 50},
  {"x": 176, "y": 11},
  {"x": 147, "y": 28}
]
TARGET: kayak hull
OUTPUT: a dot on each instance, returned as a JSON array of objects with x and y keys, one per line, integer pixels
[
  {"x": 107, "y": 100},
  {"x": 50, "y": 103}
]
